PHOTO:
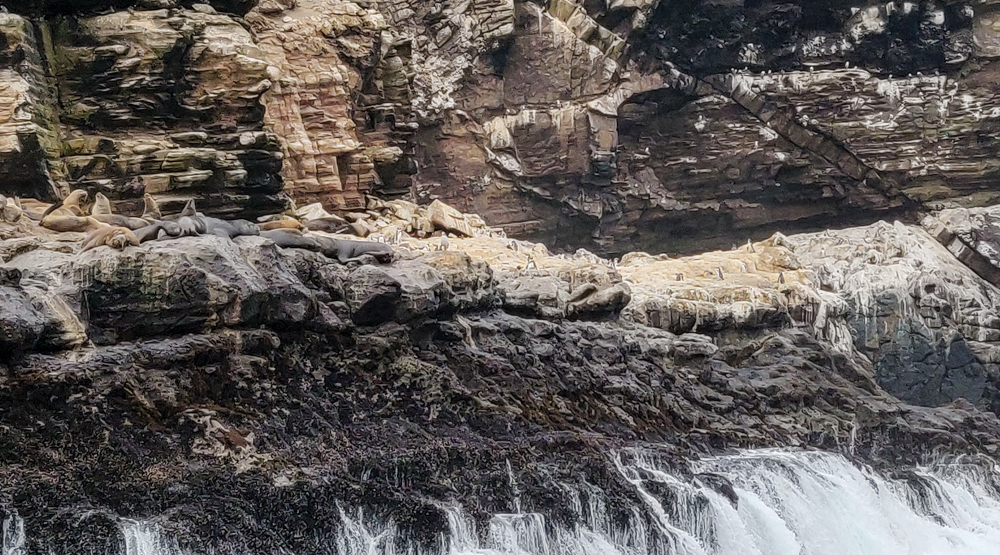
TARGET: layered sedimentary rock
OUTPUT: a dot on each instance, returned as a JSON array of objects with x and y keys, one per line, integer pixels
[
  {"x": 29, "y": 141},
  {"x": 322, "y": 54},
  {"x": 166, "y": 102},
  {"x": 629, "y": 126},
  {"x": 229, "y": 387},
  {"x": 612, "y": 126},
  {"x": 187, "y": 101}
]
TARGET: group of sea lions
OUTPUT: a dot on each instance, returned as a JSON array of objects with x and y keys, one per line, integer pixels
[
  {"x": 118, "y": 231},
  {"x": 105, "y": 228}
]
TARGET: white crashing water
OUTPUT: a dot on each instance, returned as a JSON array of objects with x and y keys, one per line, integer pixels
[
  {"x": 146, "y": 538},
  {"x": 789, "y": 503},
  {"x": 812, "y": 503},
  {"x": 13, "y": 536}
]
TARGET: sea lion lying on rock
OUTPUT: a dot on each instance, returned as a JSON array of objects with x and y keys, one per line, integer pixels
[
  {"x": 341, "y": 250},
  {"x": 67, "y": 215},
  {"x": 189, "y": 211},
  {"x": 330, "y": 224},
  {"x": 194, "y": 226},
  {"x": 114, "y": 237},
  {"x": 315, "y": 218},
  {"x": 205, "y": 225},
  {"x": 33, "y": 209},
  {"x": 279, "y": 223},
  {"x": 101, "y": 211},
  {"x": 152, "y": 231},
  {"x": 191, "y": 223}
]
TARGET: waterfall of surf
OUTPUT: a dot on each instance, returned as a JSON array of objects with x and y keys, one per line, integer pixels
[
  {"x": 146, "y": 538},
  {"x": 767, "y": 502},
  {"x": 363, "y": 536},
  {"x": 526, "y": 534},
  {"x": 13, "y": 536},
  {"x": 811, "y": 503}
]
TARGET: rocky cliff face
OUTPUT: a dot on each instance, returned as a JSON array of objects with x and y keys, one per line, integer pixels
[
  {"x": 617, "y": 126},
  {"x": 236, "y": 391},
  {"x": 229, "y": 387}
]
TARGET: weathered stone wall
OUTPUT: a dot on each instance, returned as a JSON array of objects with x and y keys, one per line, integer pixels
[
  {"x": 29, "y": 145},
  {"x": 711, "y": 122},
  {"x": 321, "y": 53},
  {"x": 663, "y": 126},
  {"x": 166, "y": 102}
]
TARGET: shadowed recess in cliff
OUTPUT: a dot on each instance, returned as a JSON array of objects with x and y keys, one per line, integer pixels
[
  {"x": 897, "y": 37},
  {"x": 761, "y": 142},
  {"x": 674, "y": 150}
]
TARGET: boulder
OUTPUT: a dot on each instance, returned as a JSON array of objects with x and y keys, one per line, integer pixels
[
  {"x": 372, "y": 295},
  {"x": 449, "y": 219},
  {"x": 21, "y": 325}
]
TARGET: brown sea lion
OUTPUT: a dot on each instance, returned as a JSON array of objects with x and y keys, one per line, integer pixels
[
  {"x": 282, "y": 223},
  {"x": 332, "y": 224},
  {"x": 33, "y": 209},
  {"x": 114, "y": 237},
  {"x": 151, "y": 210},
  {"x": 72, "y": 203},
  {"x": 67, "y": 215},
  {"x": 101, "y": 211}
]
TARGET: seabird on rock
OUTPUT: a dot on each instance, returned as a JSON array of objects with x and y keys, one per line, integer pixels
[
  {"x": 680, "y": 276},
  {"x": 531, "y": 264},
  {"x": 719, "y": 269},
  {"x": 445, "y": 243},
  {"x": 750, "y": 247},
  {"x": 781, "y": 277}
]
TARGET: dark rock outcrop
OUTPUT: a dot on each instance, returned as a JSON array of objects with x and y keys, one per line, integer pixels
[{"x": 226, "y": 388}]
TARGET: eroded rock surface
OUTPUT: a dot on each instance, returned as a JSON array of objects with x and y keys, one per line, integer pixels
[
  {"x": 227, "y": 387},
  {"x": 613, "y": 126},
  {"x": 163, "y": 378}
]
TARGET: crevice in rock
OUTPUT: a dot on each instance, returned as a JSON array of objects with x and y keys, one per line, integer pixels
[{"x": 808, "y": 138}]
